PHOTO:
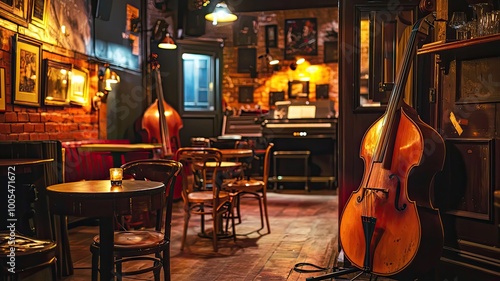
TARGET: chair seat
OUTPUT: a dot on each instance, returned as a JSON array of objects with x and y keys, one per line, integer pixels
[
  {"x": 135, "y": 239},
  {"x": 30, "y": 253},
  {"x": 206, "y": 196},
  {"x": 251, "y": 185}
]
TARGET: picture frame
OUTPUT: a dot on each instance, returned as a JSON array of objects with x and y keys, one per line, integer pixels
[
  {"x": 331, "y": 53},
  {"x": 247, "y": 60},
  {"x": 245, "y": 30},
  {"x": 56, "y": 83},
  {"x": 79, "y": 86},
  {"x": 298, "y": 89},
  {"x": 15, "y": 13},
  {"x": 271, "y": 36},
  {"x": 39, "y": 12},
  {"x": 245, "y": 94},
  {"x": 322, "y": 91},
  {"x": 2, "y": 89},
  {"x": 301, "y": 37},
  {"x": 276, "y": 96},
  {"x": 26, "y": 71}
]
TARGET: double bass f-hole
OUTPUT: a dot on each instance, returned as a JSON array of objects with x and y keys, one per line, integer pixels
[{"x": 385, "y": 191}]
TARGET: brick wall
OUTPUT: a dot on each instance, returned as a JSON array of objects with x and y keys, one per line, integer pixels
[
  {"x": 20, "y": 122},
  {"x": 268, "y": 80}
]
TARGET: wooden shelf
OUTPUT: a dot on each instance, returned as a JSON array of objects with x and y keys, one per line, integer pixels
[
  {"x": 462, "y": 46},
  {"x": 481, "y": 47}
]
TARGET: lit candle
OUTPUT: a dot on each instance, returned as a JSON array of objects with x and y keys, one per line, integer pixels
[{"x": 116, "y": 176}]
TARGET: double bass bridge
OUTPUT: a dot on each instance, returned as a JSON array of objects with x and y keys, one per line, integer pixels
[{"x": 385, "y": 191}]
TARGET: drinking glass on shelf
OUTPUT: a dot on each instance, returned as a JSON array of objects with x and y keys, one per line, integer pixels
[{"x": 457, "y": 21}]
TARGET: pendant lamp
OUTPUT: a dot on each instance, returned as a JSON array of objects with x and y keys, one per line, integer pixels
[{"x": 221, "y": 13}]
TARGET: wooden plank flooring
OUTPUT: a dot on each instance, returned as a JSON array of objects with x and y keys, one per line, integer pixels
[{"x": 303, "y": 229}]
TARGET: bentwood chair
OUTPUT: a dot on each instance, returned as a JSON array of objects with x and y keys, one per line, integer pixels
[
  {"x": 253, "y": 188},
  {"x": 139, "y": 245},
  {"x": 31, "y": 255},
  {"x": 205, "y": 199}
]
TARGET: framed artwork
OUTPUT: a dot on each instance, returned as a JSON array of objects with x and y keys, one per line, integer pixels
[
  {"x": 301, "y": 37},
  {"x": 298, "y": 89},
  {"x": 276, "y": 96},
  {"x": 39, "y": 12},
  {"x": 322, "y": 91},
  {"x": 245, "y": 30},
  {"x": 331, "y": 53},
  {"x": 245, "y": 94},
  {"x": 2, "y": 89},
  {"x": 15, "y": 11},
  {"x": 26, "y": 71},
  {"x": 271, "y": 36},
  {"x": 79, "y": 86},
  {"x": 56, "y": 82},
  {"x": 247, "y": 60}
]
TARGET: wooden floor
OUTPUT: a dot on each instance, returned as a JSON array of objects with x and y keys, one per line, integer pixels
[{"x": 303, "y": 229}]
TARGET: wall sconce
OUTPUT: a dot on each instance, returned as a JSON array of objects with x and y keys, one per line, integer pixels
[
  {"x": 221, "y": 13},
  {"x": 106, "y": 78},
  {"x": 293, "y": 65},
  {"x": 159, "y": 34},
  {"x": 274, "y": 63}
]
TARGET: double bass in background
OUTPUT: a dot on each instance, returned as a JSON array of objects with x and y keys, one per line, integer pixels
[
  {"x": 160, "y": 121},
  {"x": 388, "y": 226}
]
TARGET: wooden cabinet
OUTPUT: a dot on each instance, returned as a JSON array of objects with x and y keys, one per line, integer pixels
[{"x": 468, "y": 87}]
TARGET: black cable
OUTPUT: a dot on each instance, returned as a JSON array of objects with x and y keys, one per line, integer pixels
[{"x": 297, "y": 267}]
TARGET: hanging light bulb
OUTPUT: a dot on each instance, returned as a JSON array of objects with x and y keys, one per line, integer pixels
[{"x": 221, "y": 13}]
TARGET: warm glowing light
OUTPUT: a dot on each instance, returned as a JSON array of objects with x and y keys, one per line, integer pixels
[
  {"x": 116, "y": 176},
  {"x": 221, "y": 14}
]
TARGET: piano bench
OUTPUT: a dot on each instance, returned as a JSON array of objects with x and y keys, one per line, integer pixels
[{"x": 291, "y": 154}]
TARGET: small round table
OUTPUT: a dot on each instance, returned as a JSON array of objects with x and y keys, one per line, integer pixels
[{"x": 96, "y": 198}]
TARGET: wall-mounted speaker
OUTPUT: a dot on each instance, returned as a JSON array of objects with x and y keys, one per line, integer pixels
[{"x": 101, "y": 9}]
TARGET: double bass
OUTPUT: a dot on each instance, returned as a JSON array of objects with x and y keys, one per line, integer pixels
[
  {"x": 160, "y": 121},
  {"x": 389, "y": 226}
]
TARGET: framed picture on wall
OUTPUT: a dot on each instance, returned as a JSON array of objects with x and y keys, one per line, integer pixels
[
  {"x": 39, "y": 12},
  {"x": 56, "y": 82},
  {"x": 322, "y": 91},
  {"x": 298, "y": 89},
  {"x": 247, "y": 60},
  {"x": 245, "y": 30},
  {"x": 15, "y": 11},
  {"x": 276, "y": 96},
  {"x": 26, "y": 71},
  {"x": 245, "y": 94},
  {"x": 2, "y": 89},
  {"x": 271, "y": 36},
  {"x": 301, "y": 37},
  {"x": 79, "y": 89}
]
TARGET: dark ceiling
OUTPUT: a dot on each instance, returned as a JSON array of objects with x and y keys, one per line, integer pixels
[{"x": 270, "y": 5}]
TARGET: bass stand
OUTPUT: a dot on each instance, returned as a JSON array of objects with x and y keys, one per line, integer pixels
[{"x": 368, "y": 229}]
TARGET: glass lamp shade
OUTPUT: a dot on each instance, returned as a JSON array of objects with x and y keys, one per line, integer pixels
[
  {"x": 167, "y": 43},
  {"x": 221, "y": 14}
]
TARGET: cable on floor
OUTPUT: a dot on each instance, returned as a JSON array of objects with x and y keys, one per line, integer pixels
[{"x": 298, "y": 267}]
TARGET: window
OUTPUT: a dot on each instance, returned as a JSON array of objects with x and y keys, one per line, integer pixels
[{"x": 198, "y": 82}]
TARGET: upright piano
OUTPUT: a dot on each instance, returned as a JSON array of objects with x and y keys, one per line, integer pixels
[{"x": 305, "y": 125}]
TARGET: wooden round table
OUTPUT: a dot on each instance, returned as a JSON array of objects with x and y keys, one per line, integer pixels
[{"x": 96, "y": 198}]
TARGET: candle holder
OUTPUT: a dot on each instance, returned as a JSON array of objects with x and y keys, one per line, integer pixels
[{"x": 116, "y": 176}]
